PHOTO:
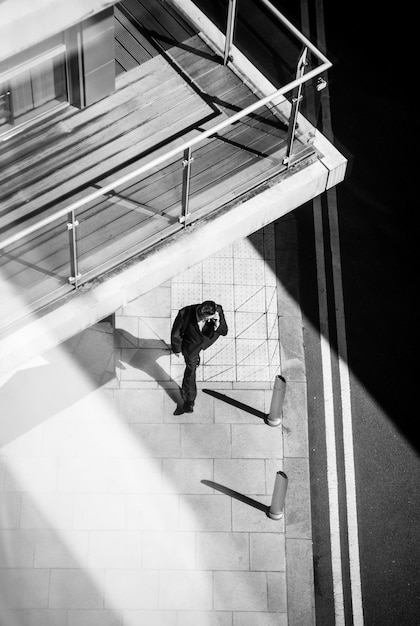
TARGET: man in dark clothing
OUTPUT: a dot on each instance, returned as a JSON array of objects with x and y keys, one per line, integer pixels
[{"x": 196, "y": 327}]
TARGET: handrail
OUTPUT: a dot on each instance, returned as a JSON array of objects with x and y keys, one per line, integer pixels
[
  {"x": 161, "y": 159},
  {"x": 187, "y": 145}
]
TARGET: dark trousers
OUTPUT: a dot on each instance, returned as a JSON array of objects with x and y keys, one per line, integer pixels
[{"x": 189, "y": 384}]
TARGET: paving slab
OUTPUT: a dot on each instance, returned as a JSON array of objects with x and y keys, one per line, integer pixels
[{"x": 118, "y": 512}]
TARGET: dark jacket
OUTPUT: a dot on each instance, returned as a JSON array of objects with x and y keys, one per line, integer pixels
[{"x": 186, "y": 336}]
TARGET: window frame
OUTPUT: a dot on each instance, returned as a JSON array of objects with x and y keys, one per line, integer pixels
[{"x": 38, "y": 113}]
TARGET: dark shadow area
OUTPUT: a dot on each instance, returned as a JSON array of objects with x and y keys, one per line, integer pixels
[
  {"x": 146, "y": 353},
  {"x": 274, "y": 122},
  {"x": 238, "y": 496},
  {"x": 154, "y": 37},
  {"x": 93, "y": 350},
  {"x": 376, "y": 239},
  {"x": 249, "y": 149},
  {"x": 237, "y": 404},
  {"x": 190, "y": 82},
  {"x": 378, "y": 247},
  {"x": 163, "y": 41},
  {"x": 270, "y": 48}
]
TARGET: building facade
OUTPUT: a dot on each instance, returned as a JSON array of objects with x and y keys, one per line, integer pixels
[{"x": 64, "y": 58}]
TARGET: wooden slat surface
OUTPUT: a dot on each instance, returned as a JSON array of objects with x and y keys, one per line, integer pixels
[
  {"x": 159, "y": 20},
  {"x": 75, "y": 160},
  {"x": 104, "y": 131},
  {"x": 132, "y": 47}
]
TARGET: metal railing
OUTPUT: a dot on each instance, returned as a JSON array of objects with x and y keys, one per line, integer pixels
[{"x": 185, "y": 149}]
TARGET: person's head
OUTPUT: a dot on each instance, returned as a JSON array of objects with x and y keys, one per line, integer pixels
[{"x": 206, "y": 310}]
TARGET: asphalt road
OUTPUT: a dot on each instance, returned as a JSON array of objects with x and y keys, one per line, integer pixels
[
  {"x": 370, "y": 119},
  {"x": 373, "y": 117},
  {"x": 373, "y": 122}
]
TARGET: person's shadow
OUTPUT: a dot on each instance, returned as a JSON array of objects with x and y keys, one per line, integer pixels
[{"x": 145, "y": 355}]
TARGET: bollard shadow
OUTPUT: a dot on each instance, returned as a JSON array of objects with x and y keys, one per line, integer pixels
[
  {"x": 237, "y": 404},
  {"x": 238, "y": 496}
]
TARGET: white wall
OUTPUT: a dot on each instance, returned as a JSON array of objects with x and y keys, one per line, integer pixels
[{"x": 27, "y": 22}]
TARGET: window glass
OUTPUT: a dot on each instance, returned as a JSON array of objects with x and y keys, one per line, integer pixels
[{"x": 33, "y": 84}]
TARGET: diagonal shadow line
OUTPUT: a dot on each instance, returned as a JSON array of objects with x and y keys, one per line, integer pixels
[
  {"x": 154, "y": 36},
  {"x": 276, "y": 123},
  {"x": 237, "y": 495},
  {"x": 32, "y": 266},
  {"x": 239, "y": 405},
  {"x": 237, "y": 144}
]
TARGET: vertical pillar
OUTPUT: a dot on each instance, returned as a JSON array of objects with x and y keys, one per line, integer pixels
[
  {"x": 186, "y": 164},
  {"x": 74, "y": 264},
  {"x": 98, "y": 51},
  {"x": 300, "y": 70},
  {"x": 231, "y": 17}
]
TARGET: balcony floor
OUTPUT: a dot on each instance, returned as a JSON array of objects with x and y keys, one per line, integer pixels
[{"x": 157, "y": 106}]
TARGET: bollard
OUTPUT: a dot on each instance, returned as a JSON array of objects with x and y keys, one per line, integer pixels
[
  {"x": 279, "y": 494},
  {"x": 276, "y": 407}
]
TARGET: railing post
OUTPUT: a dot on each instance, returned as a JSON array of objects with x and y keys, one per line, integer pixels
[
  {"x": 300, "y": 70},
  {"x": 72, "y": 224},
  {"x": 231, "y": 17},
  {"x": 186, "y": 164}
]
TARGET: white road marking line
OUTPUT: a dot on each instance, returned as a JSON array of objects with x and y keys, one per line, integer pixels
[
  {"x": 326, "y": 363},
  {"x": 332, "y": 475},
  {"x": 344, "y": 376},
  {"x": 344, "y": 373}
]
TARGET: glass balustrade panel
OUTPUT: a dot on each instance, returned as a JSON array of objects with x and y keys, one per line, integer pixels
[{"x": 34, "y": 271}]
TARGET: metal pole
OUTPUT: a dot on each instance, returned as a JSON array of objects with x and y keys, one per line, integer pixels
[
  {"x": 71, "y": 227},
  {"x": 229, "y": 30},
  {"x": 300, "y": 70},
  {"x": 279, "y": 495},
  {"x": 186, "y": 176},
  {"x": 276, "y": 407}
]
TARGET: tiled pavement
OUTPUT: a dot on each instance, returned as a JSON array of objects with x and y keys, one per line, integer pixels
[{"x": 116, "y": 512}]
